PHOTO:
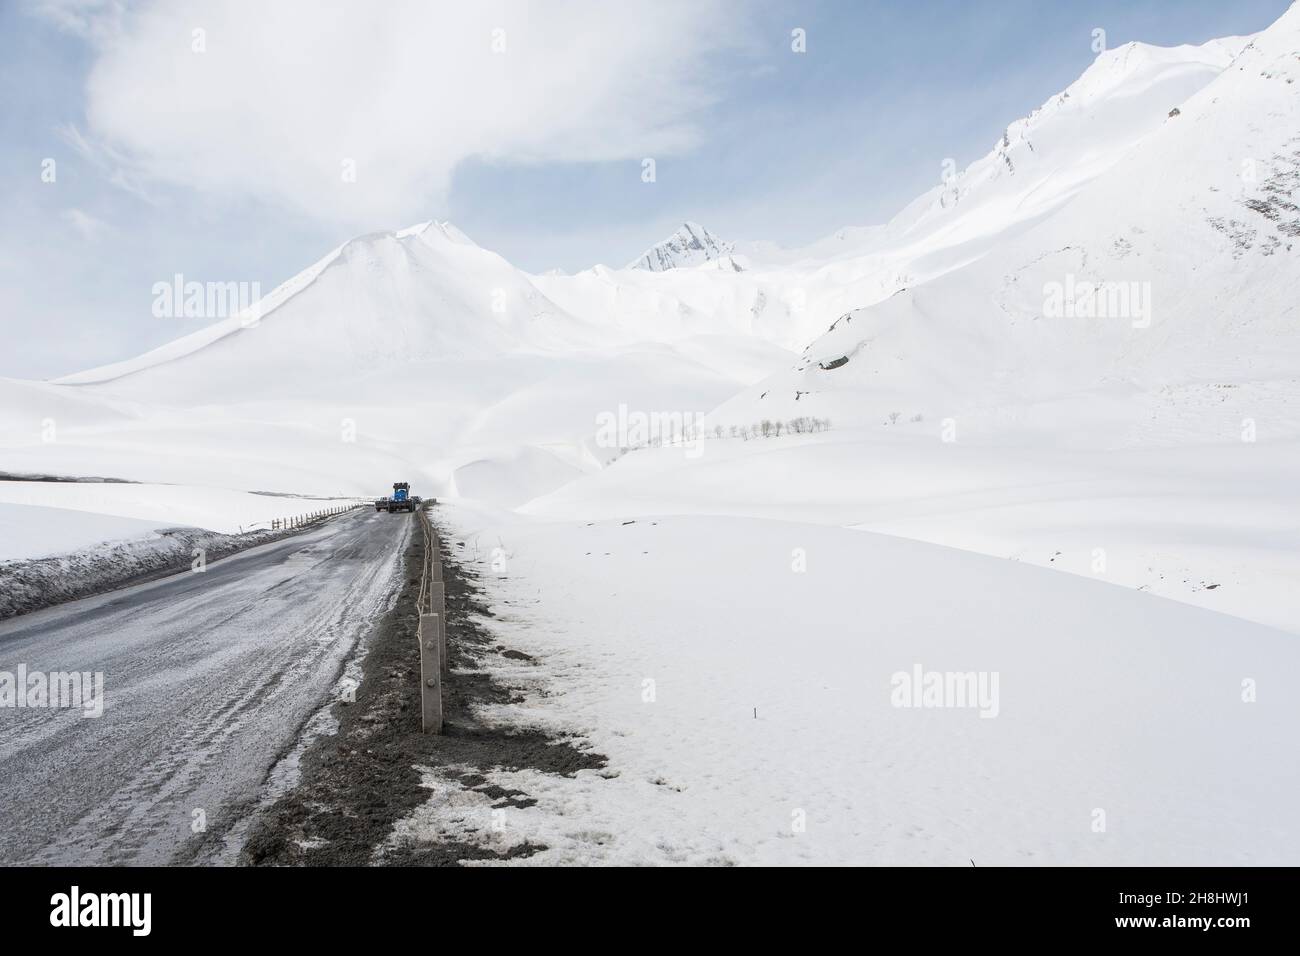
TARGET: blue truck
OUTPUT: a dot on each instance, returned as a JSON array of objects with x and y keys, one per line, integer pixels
[{"x": 401, "y": 499}]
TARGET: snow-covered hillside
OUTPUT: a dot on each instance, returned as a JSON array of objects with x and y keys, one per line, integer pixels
[
  {"x": 747, "y": 680},
  {"x": 427, "y": 292},
  {"x": 1181, "y": 243}
]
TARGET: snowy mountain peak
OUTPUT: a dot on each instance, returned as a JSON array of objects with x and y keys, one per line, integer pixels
[
  {"x": 431, "y": 233},
  {"x": 1123, "y": 65},
  {"x": 691, "y": 245},
  {"x": 433, "y": 229},
  {"x": 416, "y": 230}
]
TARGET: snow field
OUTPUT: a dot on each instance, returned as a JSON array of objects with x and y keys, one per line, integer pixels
[{"x": 1108, "y": 700}]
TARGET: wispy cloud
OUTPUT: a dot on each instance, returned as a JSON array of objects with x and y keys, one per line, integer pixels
[
  {"x": 360, "y": 115},
  {"x": 115, "y": 167},
  {"x": 91, "y": 19},
  {"x": 89, "y": 227}
]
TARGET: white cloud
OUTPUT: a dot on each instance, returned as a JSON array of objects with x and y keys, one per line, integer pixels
[
  {"x": 92, "y": 19},
  {"x": 90, "y": 228},
  {"x": 114, "y": 167},
  {"x": 286, "y": 93}
]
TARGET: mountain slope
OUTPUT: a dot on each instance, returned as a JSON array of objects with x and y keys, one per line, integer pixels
[
  {"x": 1186, "y": 243},
  {"x": 419, "y": 293}
]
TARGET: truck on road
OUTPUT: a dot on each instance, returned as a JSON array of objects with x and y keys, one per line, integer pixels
[{"x": 400, "y": 501}]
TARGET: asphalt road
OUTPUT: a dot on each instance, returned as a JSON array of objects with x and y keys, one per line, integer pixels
[{"x": 209, "y": 679}]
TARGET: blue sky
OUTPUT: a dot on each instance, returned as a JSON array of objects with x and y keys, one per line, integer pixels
[{"x": 222, "y": 166}]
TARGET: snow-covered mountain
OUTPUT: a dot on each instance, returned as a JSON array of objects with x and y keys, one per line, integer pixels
[
  {"x": 1036, "y": 166},
  {"x": 1083, "y": 352},
  {"x": 691, "y": 245},
  {"x": 427, "y": 292},
  {"x": 1135, "y": 259},
  {"x": 415, "y": 352}
]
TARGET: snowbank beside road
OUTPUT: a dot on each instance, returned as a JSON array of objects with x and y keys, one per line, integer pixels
[
  {"x": 32, "y": 531},
  {"x": 36, "y": 583},
  {"x": 109, "y": 535},
  {"x": 223, "y": 510}
]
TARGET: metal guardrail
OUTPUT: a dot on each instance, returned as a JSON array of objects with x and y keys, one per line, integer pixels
[
  {"x": 311, "y": 517},
  {"x": 431, "y": 634}
]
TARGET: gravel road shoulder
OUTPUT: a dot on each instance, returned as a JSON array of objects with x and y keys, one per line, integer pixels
[{"x": 356, "y": 784}]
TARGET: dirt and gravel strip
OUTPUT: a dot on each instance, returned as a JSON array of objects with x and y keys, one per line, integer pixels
[{"x": 356, "y": 784}]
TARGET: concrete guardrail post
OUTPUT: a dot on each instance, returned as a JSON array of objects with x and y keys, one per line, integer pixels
[
  {"x": 438, "y": 608},
  {"x": 430, "y": 674}
]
